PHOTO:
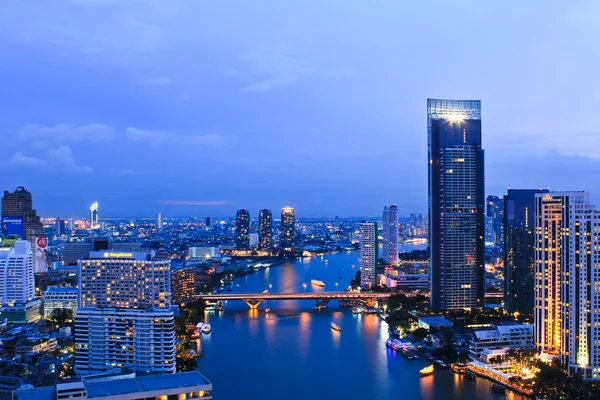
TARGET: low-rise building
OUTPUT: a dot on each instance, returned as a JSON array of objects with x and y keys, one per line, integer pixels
[
  {"x": 60, "y": 297},
  {"x": 403, "y": 281},
  {"x": 39, "y": 343},
  {"x": 486, "y": 344}
]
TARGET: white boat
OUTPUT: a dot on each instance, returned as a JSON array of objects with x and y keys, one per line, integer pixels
[
  {"x": 317, "y": 283},
  {"x": 427, "y": 370},
  {"x": 335, "y": 327},
  {"x": 206, "y": 328},
  {"x": 199, "y": 327}
]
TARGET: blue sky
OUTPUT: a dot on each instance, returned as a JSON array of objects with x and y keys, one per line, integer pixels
[{"x": 203, "y": 107}]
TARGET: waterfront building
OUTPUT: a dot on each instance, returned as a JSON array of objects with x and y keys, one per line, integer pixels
[
  {"x": 18, "y": 212},
  {"x": 287, "y": 238},
  {"x": 456, "y": 204},
  {"x": 494, "y": 216},
  {"x": 390, "y": 234},
  {"x": 183, "y": 284},
  {"x": 159, "y": 221},
  {"x": 60, "y": 297},
  {"x": 124, "y": 316},
  {"x": 567, "y": 281},
  {"x": 265, "y": 229},
  {"x": 518, "y": 229},
  {"x": 199, "y": 253},
  {"x": 405, "y": 281},
  {"x": 181, "y": 386},
  {"x": 497, "y": 340},
  {"x": 368, "y": 254},
  {"x": 17, "y": 285},
  {"x": 94, "y": 218},
  {"x": 242, "y": 229}
]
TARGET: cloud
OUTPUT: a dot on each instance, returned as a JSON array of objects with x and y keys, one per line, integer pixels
[
  {"x": 22, "y": 160},
  {"x": 194, "y": 202},
  {"x": 67, "y": 132},
  {"x": 62, "y": 158},
  {"x": 163, "y": 138}
]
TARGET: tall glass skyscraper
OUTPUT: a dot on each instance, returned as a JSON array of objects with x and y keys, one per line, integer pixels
[
  {"x": 518, "y": 226},
  {"x": 287, "y": 237},
  {"x": 456, "y": 204},
  {"x": 494, "y": 214},
  {"x": 94, "y": 218},
  {"x": 242, "y": 229},
  {"x": 265, "y": 229},
  {"x": 390, "y": 234}
]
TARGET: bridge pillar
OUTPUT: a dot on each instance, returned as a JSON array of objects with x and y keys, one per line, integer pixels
[
  {"x": 322, "y": 303},
  {"x": 253, "y": 304}
]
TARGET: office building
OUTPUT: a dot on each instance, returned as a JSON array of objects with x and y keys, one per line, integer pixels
[
  {"x": 518, "y": 229},
  {"x": 497, "y": 340},
  {"x": 456, "y": 204},
  {"x": 75, "y": 251},
  {"x": 94, "y": 217},
  {"x": 242, "y": 229},
  {"x": 208, "y": 222},
  {"x": 17, "y": 209},
  {"x": 181, "y": 386},
  {"x": 567, "y": 281},
  {"x": 17, "y": 285},
  {"x": 287, "y": 237},
  {"x": 265, "y": 229},
  {"x": 494, "y": 216},
  {"x": 59, "y": 227},
  {"x": 124, "y": 317},
  {"x": 390, "y": 234},
  {"x": 183, "y": 284},
  {"x": 60, "y": 297},
  {"x": 159, "y": 221},
  {"x": 368, "y": 254}
]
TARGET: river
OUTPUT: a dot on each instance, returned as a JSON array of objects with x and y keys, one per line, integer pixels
[{"x": 252, "y": 355}]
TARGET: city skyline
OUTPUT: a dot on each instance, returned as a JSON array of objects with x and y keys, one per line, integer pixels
[{"x": 238, "y": 104}]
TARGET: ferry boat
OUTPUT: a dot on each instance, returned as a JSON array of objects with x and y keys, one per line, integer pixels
[
  {"x": 427, "y": 370},
  {"x": 317, "y": 283},
  {"x": 496, "y": 387},
  {"x": 206, "y": 328},
  {"x": 335, "y": 327},
  {"x": 326, "y": 261},
  {"x": 199, "y": 327},
  {"x": 458, "y": 368},
  {"x": 441, "y": 363},
  {"x": 470, "y": 374}
]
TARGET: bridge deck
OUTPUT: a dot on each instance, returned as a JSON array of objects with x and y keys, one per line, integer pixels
[{"x": 294, "y": 296}]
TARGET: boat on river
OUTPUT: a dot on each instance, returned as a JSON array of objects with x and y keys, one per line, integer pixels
[
  {"x": 496, "y": 387},
  {"x": 267, "y": 310},
  {"x": 206, "y": 329},
  {"x": 470, "y": 374},
  {"x": 317, "y": 283},
  {"x": 458, "y": 368},
  {"x": 335, "y": 327},
  {"x": 427, "y": 370}
]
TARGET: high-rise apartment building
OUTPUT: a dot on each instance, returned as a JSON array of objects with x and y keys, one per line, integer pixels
[
  {"x": 242, "y": 229},
  {"x": 390, "y": 234},
  {"x": 17, "y": 284},
  {"x": 456, "y": 204},
  {"x": 159, "y": 221},
  {"x": 208, "y": 222},
  {"x": 124, "y": 316},
  {"x": 368, "y": 254},
  {"x": 494, "y": 216},
  {"x": 183, "y": 283},
  {"x": 94, "y": 217},
  {"x": 518, "y": 228},
  {"x": 567, "y": 281},
  {"x": 287, "y": 238},
  {"x": 19, "y": 204},
  {"x": 265, "y": 229},
  {"x": 59, "y": 228}
]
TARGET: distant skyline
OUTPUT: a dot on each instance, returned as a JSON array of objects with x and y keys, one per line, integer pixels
[{"x": 203, "y": 108}]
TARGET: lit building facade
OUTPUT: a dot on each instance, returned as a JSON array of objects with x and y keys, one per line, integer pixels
[
  {"x": 390, "y": 234},
  {"x": 368, "y": 254},
  {"x": 124, "y": 316},
  {"x": 567, "y": 281},
  {"x": 20, "y": 204},
  {"x": 159, "y": 221},
  {"x": 518, "y": 229},
  {"x": 242, "y": 229},
  {"x": 60, "y": 297},
  {"x": 17, "y": 284},
  {"x": 94, "y": 218},
  {"x": 265, "y": 229},
  {"x": 183, "y": 284},
  {"x": 456, "y": 204},
  {"x": 494, "y": 216},
  {"x": 287, "y": 238},
  {"x": 485, "y": 344}
]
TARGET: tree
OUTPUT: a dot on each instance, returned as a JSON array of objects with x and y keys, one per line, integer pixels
[{"x": 61, "y": 316}]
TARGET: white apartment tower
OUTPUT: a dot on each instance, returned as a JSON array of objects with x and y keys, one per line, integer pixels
[
  {"x": 124, "y": 317},
  {"x": 16, "y": 274},
  {"x": 368, "y": 254},
  {"x": 390, "y": 234},
  {"x": 567, "y": 281}
]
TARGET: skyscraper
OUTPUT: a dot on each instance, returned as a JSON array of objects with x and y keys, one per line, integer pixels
[
  {"x": 208, "y": 222},
  {"x": 287, "y": 238},
  {"x": 265, "y": 229},
  {"x": 567, "y": 281},
  {"x": 159, "y": 221},
  {"x": 20, "y": 205},
  {"x": 242, "y": 229},
  {"x": 17, "y": 284},
  {"x": 59, "y": 228},
  {"x": 518, "y": 227},
  {"x": 494, "y": 215},
  {"x": 390, "y": 234},
  {"x": 124, "y": 316},
  {"x": 456, "y": 204},
  {"x": 368, "y": 254},
  {"x": 94, "y": 218}
]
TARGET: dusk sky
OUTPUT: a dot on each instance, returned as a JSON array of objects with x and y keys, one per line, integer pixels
[{"x": 198, "y": 108}]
